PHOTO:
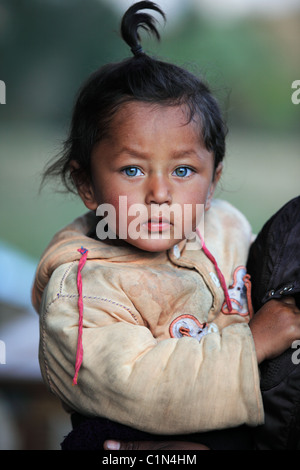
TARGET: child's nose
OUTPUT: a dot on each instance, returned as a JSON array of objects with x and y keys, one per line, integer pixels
[{"x": 158, "y": 190}]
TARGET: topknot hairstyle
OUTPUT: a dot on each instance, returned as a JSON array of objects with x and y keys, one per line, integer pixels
[
  {"x": 132, "y": 21},
  {"x": 139, "y": 78}
]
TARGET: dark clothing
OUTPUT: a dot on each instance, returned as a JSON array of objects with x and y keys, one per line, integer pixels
[
  {"x": 90, "y": 434},
  {"x": 274, "y": 266}
]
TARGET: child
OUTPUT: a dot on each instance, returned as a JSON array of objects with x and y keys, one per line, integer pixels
[{"x": 142, "y": 324}]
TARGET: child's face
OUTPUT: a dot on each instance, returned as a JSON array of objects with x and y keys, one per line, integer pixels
[{"x": 152, "y": 158}]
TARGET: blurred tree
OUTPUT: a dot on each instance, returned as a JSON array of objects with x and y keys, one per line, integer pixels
[
  {"x": 48, "y": 48},
  {"x": 251, "y": 57}
]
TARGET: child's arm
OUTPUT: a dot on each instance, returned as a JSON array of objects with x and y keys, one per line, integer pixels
[
  {"x": 173, "y": 386},
  {"x": 274, "y": 327}
]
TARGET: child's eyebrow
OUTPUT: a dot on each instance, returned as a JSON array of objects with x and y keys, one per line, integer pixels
[
  {"x": 176, "y": 155},
  {"x": 185, "y": 153},
  {"x": 136, "y": 153}
]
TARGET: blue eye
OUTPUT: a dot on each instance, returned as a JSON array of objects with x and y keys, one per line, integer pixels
[
  {"x": 183, "y": 171},
  {"x": 132, "y": 171}
]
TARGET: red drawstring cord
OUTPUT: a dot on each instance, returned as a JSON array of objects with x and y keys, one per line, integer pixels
[
  {"x": 220, "y": 275},
  {"x": 82, "y": 261},
  {"x": 79, "y": 352}
]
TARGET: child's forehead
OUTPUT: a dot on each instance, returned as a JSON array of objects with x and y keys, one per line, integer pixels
[
  {"x": 153, "y": 132},
  {"x": 136, "y": 108},
  {"x": 161, "y": 116}
]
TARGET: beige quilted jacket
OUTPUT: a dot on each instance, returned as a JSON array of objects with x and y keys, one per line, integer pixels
[{"x": 160, "y": 351}]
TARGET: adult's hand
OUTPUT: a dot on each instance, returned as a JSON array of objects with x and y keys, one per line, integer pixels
[{"x": 274, "y": 327}]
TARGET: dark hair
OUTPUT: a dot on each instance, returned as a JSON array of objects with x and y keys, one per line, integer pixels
[{"x": 139, "y": 78}]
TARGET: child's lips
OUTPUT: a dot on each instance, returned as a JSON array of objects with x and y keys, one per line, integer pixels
[{"x": 158, "y": 224}]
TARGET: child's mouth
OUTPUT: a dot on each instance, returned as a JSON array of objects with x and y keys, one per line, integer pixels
[{"x": 158, "y": 225}]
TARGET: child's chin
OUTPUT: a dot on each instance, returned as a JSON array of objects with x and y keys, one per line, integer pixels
[{"x": 153, "y": 245}]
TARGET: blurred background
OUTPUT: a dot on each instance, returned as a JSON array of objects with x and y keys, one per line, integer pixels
[{"x": 249, "y": 52}]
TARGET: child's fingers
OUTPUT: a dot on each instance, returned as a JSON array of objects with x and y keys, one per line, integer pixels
[
  {"x": 112, "y": 445},
  {"x": 153, "y": 445}
]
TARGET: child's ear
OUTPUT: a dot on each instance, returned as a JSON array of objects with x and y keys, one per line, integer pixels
[
  {"x": 217, "y": 176},
  {"x": 84, "y": 186}
]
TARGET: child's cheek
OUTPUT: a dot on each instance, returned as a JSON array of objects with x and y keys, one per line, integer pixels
[{"x": 124, "y": 210}]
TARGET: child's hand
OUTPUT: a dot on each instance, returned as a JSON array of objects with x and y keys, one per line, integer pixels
[{"x": 274, "y": 327}]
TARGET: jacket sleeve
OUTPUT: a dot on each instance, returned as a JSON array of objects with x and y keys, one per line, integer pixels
[{"x": 168, "y": 387}]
